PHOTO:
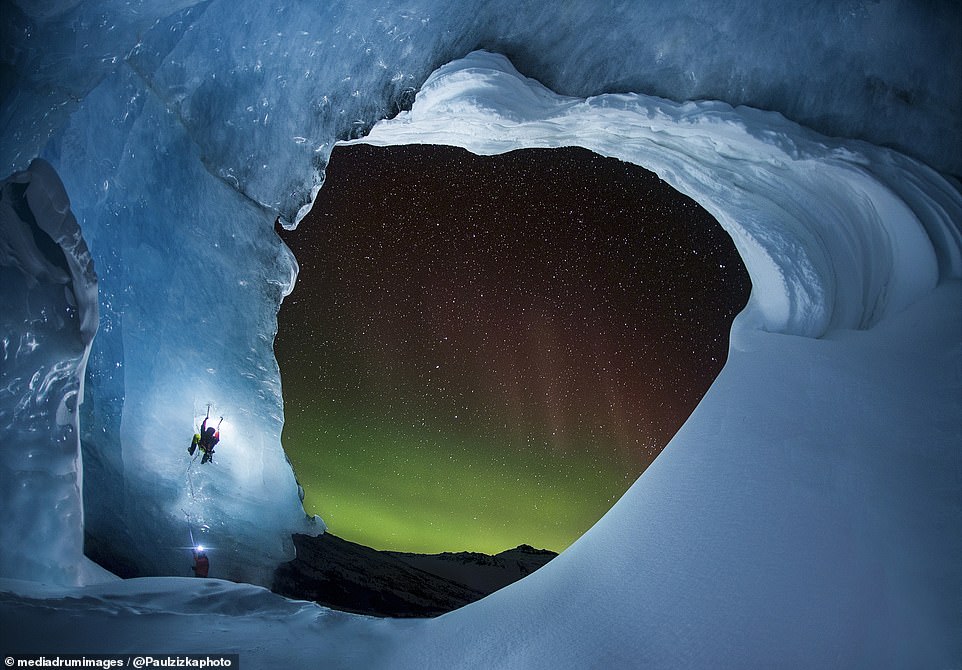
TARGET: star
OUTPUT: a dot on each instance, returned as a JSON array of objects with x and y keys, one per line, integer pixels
[{"x": 487, "y": 351}]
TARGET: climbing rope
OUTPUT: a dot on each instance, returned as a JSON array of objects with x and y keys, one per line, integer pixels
[
  {"x": 190, "y": 480},
  {"x": 190, "y": 463},
  {"x": 189, "y": 530}
]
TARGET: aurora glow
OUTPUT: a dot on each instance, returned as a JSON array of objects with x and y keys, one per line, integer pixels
[{"x": 487, "y": 351}]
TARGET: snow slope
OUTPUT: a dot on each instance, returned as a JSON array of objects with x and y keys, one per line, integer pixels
[{"x": 822, "y": 535}]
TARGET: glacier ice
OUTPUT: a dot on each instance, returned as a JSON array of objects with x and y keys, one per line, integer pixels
[
  {"x": 48, "y": 290},
  {"x": 274, "y": 85},
  {"x": 187, "y": 319},
  {"x": 792, "y": 200},
  {"x": 806, "y": 515}
]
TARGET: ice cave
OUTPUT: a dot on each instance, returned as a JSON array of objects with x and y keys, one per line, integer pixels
[{"x": 808, "y": 514}]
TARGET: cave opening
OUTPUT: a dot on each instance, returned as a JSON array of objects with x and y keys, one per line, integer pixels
[{"x": 487, "y": 351}]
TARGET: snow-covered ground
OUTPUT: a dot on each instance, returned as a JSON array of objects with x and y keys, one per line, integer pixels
[{"x": 170, "y": 615}]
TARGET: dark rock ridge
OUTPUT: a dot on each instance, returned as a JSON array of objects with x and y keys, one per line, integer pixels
[
  {"x": 351, "y": 577},
  {"x": 481, "y": 572}
]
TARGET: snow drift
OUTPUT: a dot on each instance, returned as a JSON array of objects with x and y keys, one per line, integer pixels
[{"x": 808, "y": 512}]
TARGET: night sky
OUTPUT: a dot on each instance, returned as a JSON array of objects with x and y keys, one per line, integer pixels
[{"x": 487, "y": 351}]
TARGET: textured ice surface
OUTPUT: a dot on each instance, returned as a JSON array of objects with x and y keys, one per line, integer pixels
[
  {"x": 798, "y": 205},
  {"x": 807, "y": 515},
  {"x": 48, "y": 292},
  {"x": 191, "y": 274},
  {"x": 265, "y": 90}
]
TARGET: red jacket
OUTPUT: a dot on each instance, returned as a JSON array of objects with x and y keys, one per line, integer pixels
[{"x": 201, "y": 564}]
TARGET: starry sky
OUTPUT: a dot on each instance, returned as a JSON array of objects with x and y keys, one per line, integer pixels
[{"x": 487, "y": 351}]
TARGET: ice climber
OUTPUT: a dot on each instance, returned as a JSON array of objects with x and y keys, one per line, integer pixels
[
  {"x": 206, "y": 439},
  {"x": 201, "y": 563}
]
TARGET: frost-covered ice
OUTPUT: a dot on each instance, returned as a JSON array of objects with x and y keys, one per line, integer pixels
[
  {"x": 799, "y": 206},
  {"x": 49, "y": 297},
  {"x": 807, "y": 514},
  {"x": 190, "y": 276}
]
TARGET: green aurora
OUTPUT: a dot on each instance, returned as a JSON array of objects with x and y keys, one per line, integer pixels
[
  {"x": 429, "y": 491},
  {"x": 482, "y": 352}
]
